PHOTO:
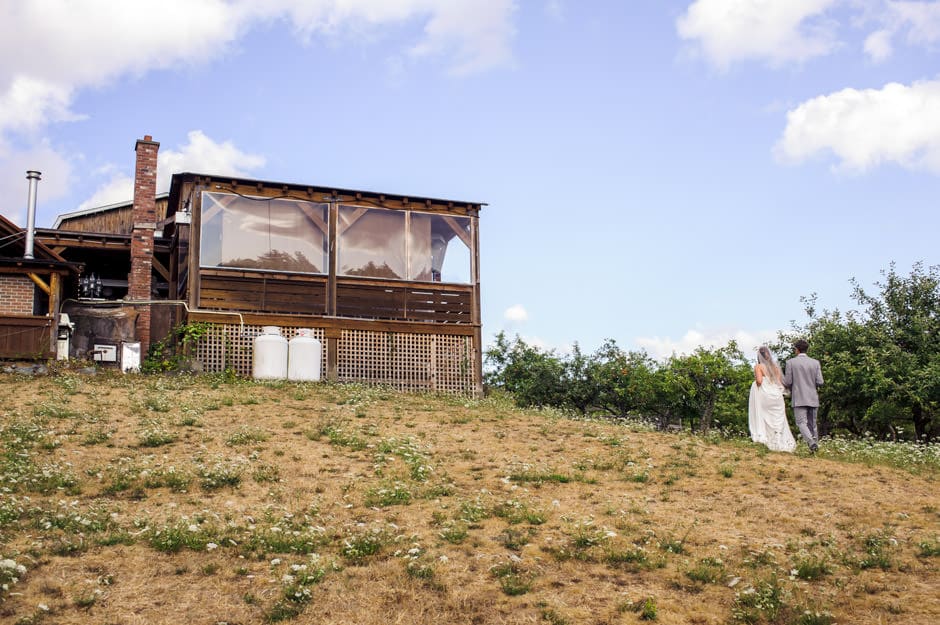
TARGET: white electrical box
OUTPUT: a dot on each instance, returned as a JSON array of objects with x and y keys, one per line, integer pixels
[{"x": 104, "y": 353}]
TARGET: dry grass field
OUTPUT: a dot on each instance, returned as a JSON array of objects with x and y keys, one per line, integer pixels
[{"x": 148, "y": 500}]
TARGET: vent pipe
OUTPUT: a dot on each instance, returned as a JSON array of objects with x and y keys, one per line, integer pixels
[{"x": 33, "y": 177}]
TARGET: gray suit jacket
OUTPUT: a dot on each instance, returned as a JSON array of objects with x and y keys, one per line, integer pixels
[{"x": 802, "y": 376}]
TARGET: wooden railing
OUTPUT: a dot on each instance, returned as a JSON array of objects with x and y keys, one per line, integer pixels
[
  {"x": 359, "y": 298},
  {"x": 250, "y": 291},
  {"x": 404, "y": 301}
]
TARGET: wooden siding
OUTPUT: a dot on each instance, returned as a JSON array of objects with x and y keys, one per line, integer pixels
[
  {"x": 260, "y": 292},
  {"x": 117, "y": 220},
  {"x": 404, "y": 302},
  {"x": 25, "y": 337},
  {"x": 246, "y": 291}
]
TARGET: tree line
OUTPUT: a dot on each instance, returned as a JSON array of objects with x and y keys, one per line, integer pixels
[{"x": 881, "y": 363}]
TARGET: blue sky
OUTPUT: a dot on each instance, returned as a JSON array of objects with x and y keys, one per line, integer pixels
[{"x": 664, "y": 173}]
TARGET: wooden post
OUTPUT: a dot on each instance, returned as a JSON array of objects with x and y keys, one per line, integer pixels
[
  {"x": 55, "y": 288},
  {"x": 331, "y": 278},
  {"x": 332, "y": 335},
  {"x": 195, "y": 236},
  {"x": 476, "y": 316}
]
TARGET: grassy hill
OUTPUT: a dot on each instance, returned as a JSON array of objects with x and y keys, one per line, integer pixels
[{"x": 127, "y": 500}]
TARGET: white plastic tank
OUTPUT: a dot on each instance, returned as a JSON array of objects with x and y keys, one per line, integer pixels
[
  {"x": 269, "y": 357},
  {"x": 304, "y": 357}
]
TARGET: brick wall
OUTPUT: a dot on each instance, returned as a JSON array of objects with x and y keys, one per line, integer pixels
[
  {"x": 16, "y": 295},
  {"x": 145, "y": 216}
]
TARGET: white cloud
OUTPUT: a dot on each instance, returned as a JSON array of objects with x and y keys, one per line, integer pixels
[
  {"x": 748, "y": 341},
  {"x": 56, "y": 173},
  {"x": 878, "y": 45},
  {"x": 200, "y": 155},
  {"x": 477, "y": 34},
  {"x": 29, "y": 103},
  {"x": 120, "y": 188},
  {"x": 775, "y": 31},
  {"x": 919, "y": 20},
  {"x": 50, "y": 49},
  {"x": 516, "y": 314},
  {"x": 865, "y": 128},
  {"x": 203, "y": 155},
  {"x": 562, "y": 349}
]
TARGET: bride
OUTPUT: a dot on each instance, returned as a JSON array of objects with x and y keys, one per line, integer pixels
[{"x": 767, "y": 413}]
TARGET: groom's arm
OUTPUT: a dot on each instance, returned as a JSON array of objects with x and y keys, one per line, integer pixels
[
  {"x": 788, "y": 375},
  {"x": 819, "y": 378}
]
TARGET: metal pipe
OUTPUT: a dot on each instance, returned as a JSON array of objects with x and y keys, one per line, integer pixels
[
  {"x": 173, "y": 302},
  {"x": 33, "y": 177}
]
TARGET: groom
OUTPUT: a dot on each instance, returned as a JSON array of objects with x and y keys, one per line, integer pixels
[{"x": 803, "y": 376}]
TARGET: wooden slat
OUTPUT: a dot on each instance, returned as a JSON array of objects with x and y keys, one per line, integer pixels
[
  {"x": 272, "y": 293},
  {"x": 341, "y": 323},
  {"x": 411, "y": 284},
  {"x": 25, "y": 337}
]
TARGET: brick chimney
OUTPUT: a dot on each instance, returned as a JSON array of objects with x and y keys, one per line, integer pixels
[{"x": 145, "y": 222}]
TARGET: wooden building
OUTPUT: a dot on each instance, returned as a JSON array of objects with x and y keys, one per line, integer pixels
[
  {"x": 31, "y": 292},
  {"x": 390, "y": 284}
]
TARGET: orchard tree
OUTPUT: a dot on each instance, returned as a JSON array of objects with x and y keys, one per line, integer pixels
[
  {"x": 904, "y": 320},
  {"x": 882, "y": 362},
  {"x": 535, "y": 377},
  {"x": 708, "y": 383},
  {"x": 626, "y": 381}
]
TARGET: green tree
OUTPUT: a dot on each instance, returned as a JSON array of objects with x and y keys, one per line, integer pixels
[
  {"x": 709, "y": 385},
  {"x": 882, "y": 362},
  {"x": 535, "y": 377},
  {"x": 624, "y": 380}
]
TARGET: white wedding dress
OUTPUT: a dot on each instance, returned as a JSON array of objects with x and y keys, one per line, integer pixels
[{"x": 767, "y": 416}]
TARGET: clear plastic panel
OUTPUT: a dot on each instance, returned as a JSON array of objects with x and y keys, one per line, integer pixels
[
  {"x": 440, "y": 248},
  {"x": 273, "y": 235},
  {"x": 371, "y": 243}
]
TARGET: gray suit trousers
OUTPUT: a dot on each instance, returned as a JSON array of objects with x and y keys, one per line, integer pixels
[{"x": 805, "y": 417}]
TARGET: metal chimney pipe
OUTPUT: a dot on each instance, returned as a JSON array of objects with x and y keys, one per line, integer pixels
[{"x": 33, "y": 177}]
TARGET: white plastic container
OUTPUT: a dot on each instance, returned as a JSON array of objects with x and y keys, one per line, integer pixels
[
  {"x": 130, "y": 356},
  {"x": 269, "y": 357},
  {"x": 304, "y": 356}
]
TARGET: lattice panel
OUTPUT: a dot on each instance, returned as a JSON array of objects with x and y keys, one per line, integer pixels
[
  {"x": 453, "y": 364},
  {"x": 429, "y": 362},
  {"x": 231, "y": 344},
  {"x": 410, "y": 362}
]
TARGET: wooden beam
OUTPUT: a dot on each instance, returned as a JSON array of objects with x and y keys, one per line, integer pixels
[
  {"x": 460, "y": 232},
  {"x": 218, "y": 204},
  {"x": 40, "y": 283},
  {"x": 356, "y": 214},
  {"x": 335, "y": 325},
  {"x": 161, "y": 269},
  {"x": 317, "y": 220}
]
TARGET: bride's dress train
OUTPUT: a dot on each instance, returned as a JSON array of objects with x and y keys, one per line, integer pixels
[{"x": 767, "y": 417}]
